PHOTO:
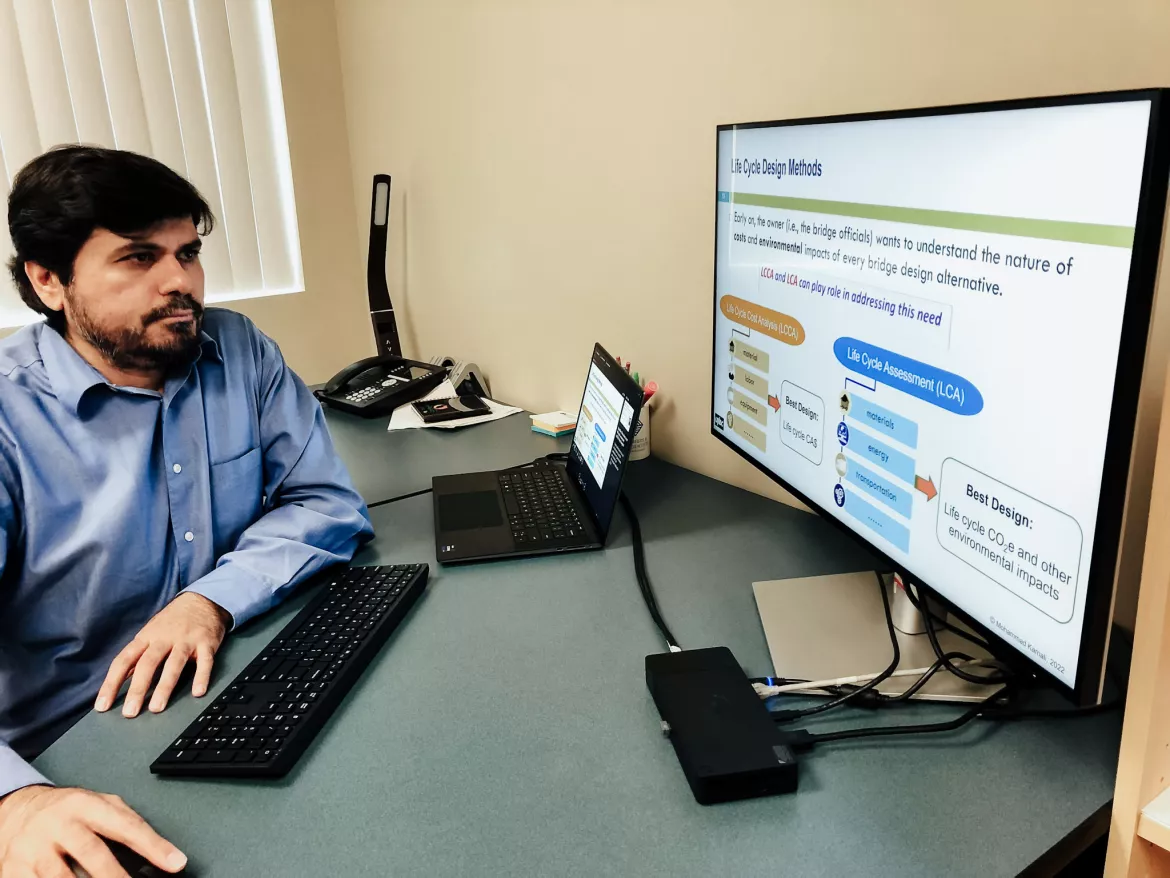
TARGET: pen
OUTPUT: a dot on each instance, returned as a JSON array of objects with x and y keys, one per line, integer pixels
[
  {"x": 650, "y": 389},
  {"x": 627, "y": 367},
  {"x": 637, "y": 380}
]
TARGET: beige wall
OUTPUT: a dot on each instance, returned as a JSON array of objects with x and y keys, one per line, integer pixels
[
  {"x": 326, "y": 326},
  {"x": 551, "y": 154}
]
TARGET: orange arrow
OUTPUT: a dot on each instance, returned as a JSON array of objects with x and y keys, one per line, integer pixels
[
  {"x": 926, "y": 486},
  {"x": 774, "y": 403}
]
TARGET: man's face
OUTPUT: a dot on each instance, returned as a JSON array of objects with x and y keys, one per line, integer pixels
[{"x": 139, "y": 299}]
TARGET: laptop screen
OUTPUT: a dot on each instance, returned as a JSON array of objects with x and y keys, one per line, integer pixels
[{"x": 605, "y": 429}]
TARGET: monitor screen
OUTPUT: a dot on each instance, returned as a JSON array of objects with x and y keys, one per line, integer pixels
[
  {"x": 605, "y": 429},
  {"x": 917, "y": 328}
]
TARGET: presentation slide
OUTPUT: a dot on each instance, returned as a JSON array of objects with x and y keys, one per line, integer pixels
[
  {"x": 597, "y": 422},
  {"x": 917, "y": 325}
]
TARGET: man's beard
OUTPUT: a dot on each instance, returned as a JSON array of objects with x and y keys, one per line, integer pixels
[{"x": 128, "y": 347}]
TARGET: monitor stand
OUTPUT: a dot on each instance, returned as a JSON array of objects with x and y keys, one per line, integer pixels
[{"x": 824, "y": 627}]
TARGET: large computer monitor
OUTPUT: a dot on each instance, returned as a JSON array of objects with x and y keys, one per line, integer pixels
[{"x": 930, "y": 326}]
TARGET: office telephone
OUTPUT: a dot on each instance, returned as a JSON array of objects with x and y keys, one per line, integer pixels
[{"x": 377, "y": 385}]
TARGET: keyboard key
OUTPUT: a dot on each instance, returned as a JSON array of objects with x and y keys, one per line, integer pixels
[{"x": 244, "y": 756}]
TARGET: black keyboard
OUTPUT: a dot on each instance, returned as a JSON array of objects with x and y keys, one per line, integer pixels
[
  {"x": 540, "y": 510},
  {"x": 262, "y": 722}
]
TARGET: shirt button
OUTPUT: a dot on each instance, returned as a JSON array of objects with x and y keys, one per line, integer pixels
[
  {"x": 188, "y": 536},
  {"x": 177, "y": 468}
]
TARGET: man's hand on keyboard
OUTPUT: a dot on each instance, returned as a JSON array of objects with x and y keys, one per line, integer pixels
[
  {"x": 40, "y": 826},
  {"x": 190, "y": 626}
]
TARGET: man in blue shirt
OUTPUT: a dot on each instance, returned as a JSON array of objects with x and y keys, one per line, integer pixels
[{"x": 164, "y": 477}]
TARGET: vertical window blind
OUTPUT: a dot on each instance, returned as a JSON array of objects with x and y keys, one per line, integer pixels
[{"x": 193, "y": 83}]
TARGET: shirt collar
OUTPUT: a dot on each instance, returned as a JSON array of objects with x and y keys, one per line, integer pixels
[{"x": 71, "y": 376}]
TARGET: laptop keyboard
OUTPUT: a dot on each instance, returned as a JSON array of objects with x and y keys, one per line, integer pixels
[{"x": 540, "y": 510}]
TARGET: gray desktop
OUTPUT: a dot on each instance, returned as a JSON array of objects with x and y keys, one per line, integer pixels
[{"x": 506, "y": 727}]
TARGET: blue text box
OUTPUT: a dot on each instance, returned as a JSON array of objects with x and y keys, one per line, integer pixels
[
  {"x": 879, "y": 418},
  {"x": 896, "y": 497},
  {"x": 930, "y": 383},
  {"x": 880, "y": 454},
  {"x": 892, "y": 531}
]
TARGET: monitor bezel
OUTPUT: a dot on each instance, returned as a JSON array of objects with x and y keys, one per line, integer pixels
[{"x": 1132, "y": 350}]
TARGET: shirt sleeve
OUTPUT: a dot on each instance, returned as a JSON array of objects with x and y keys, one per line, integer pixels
[
  {"x": 15, "y": 773},
  {"x": 315, "y": 516}
]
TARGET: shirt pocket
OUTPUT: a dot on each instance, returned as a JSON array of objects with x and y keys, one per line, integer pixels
[{"x": 237, "y": 491}]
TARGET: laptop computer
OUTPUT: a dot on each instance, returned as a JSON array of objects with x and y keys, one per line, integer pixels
[{"x": 544, "y": 508}]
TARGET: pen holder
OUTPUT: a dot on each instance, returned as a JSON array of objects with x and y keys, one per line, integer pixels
[{"x": 640, "y": 447}]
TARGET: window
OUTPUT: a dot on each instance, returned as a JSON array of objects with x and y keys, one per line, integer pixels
[{"x": 193, "y": 83}]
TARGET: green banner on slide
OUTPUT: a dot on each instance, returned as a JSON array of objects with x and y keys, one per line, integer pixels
[{"x": 1053, "y": 230}]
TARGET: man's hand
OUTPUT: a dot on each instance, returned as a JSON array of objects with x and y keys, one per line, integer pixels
[
  {"x": 189, "y": 626},
  {"x": 40, "y": 826}
]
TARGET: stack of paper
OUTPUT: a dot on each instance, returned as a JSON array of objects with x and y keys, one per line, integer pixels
[
  {"x": 406, "y": 418},
  {"x": 554, "y": 423}
]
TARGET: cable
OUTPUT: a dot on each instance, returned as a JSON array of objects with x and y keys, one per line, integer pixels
[
  {"x": 396, "y": 499},
  {"x": 766, "y": 690},
  {"x": 925, "y": 678},
  {"x": 921, "y": 606},
  {"x": 802, "y": 739},
  {"x": 930, "y": 621},
  {"x": 1057, "y": 713},
  {"x": 643, "y": 579},
  {"x": 1003, "y": 676},
  {"x": 787, "y": 715}
]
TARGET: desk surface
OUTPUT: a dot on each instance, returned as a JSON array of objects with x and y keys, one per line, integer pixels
[
  {"x": 506, "y": 728},
  {"x": 384, "y": 464}
]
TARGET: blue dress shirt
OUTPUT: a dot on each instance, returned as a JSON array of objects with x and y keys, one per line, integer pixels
[{"x": 115, "y": 499}]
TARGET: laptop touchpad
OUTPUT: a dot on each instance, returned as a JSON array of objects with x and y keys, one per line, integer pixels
[{"x": 472, "y": 510}]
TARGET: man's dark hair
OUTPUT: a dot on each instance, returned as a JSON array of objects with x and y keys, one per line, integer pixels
[{"x": 59, "y": 199}]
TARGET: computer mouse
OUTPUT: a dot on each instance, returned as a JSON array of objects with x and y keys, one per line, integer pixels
[{"x": 135, "y": 864}]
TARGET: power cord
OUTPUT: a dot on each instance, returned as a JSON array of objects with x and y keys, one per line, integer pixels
[
  {"x": 802, "y": 739},
  {"x": 643, "y": 578},
  {"x": 640, "y": 573},
  {"x": 378, "y": 503},
  {"x": 556, "y": 455},
  {"x": 1003, "y": 674},
  {"x": 940, "y": 623}
]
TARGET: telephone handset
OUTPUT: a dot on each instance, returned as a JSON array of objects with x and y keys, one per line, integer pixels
[{"x": 377, "y": 385}]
